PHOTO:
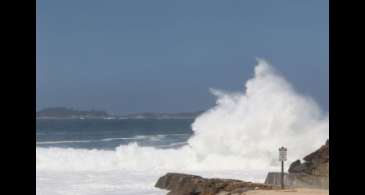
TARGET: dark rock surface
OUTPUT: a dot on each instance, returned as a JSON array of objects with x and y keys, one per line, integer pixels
[
  {"x": 308, "y": 181},
  {"x": 296, "y": 166},
  {"x": 184, "y": 184},
  {"x": 314, "y": 171},
  {"x": 316, "y": 163}
]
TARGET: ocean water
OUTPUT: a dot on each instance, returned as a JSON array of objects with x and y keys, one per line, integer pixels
[
  {"x": 103, "y": 136},
  {"x": 90, "y": 143},
  {"x": 109, "y": 134},
  {"x": 237, "y": 138}
]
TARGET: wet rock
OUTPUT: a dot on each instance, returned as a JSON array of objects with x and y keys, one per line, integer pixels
[
  {"x": 316, "y": 163},
  {"x": 184, "y": 184},
  {"x": 314, "y": 171}
]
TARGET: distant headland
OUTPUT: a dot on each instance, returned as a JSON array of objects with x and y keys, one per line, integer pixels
[{"x": 70, "y": 113}]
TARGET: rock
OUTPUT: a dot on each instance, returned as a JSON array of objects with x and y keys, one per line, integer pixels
[
  {"x": 309, "y": 181},
  {"x": 316, "y": 163},
  {"x": 241, "y": 190},
  {"x": 184, "y": 184},
  {"x": 314, "y": 171},
  {"x": 319, "y": 156},
  {"x": 297, "y": 167}
]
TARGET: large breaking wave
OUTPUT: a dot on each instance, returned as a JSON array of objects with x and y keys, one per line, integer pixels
[{"x": 242, "y": 131}]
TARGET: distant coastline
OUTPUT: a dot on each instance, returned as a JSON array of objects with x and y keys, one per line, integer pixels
[{"x": 69, "y": 113}]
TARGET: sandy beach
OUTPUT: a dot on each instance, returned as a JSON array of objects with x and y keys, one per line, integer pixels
[{"x": 298, "y": 191}]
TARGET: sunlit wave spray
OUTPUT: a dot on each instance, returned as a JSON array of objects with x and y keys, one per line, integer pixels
[{"x": 254, "y": 123}]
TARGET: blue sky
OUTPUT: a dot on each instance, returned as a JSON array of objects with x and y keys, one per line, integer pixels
[{"x": 164, "y": 55}]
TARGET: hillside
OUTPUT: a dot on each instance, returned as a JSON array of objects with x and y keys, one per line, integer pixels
[
  {"x": 61, "y": 112},
  {"x": 68, "y": 113}
]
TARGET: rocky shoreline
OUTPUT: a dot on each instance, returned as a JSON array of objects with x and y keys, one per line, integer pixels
[
  {"x": 184, "y": 184},
  {"x": 312, "y": 173}
]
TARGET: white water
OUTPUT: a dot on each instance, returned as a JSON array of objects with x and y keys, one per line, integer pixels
[{"x": 237, "y": 138}]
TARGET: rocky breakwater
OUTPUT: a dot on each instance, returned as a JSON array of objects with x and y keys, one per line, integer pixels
[
  {"x": 184, "y": 184},
  {"x": 314, "y": 171}
]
